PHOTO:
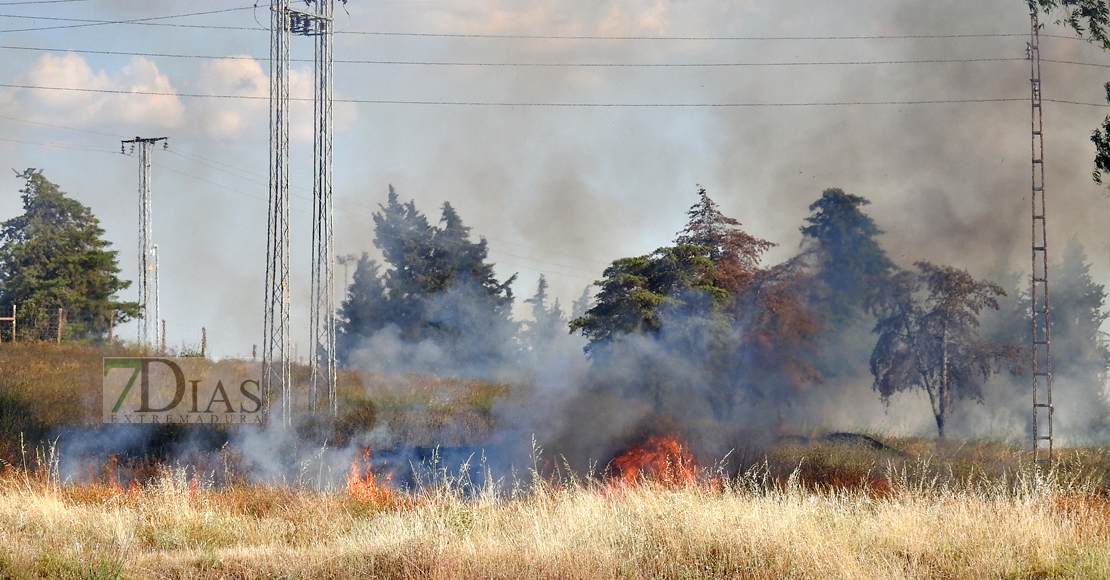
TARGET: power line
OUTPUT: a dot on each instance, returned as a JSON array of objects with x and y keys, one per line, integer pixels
[
  {"x": 17, "y": 3},
  {"x": 685, "y": 38},
  {"x": 1064, "y": 102},
  {"x": 1074, "y": 62},
  {"x": 56, "y": 126},
  {"x": 528, "y": 104},
  {"x": 532, "y": 64},
  {"x": 60, "y": 145},
  {"x": 85, "y": 22},
  {"x": 153, "y": 22},
  {"x": 232, "y": 171}
]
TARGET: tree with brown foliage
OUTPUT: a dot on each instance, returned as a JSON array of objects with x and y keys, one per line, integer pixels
[
  {"x": 781, "y": 331},
  {"x": 929, "y": 338},
  {"x": 735, "y": 253},
  {"x": 707, "y": 302}
]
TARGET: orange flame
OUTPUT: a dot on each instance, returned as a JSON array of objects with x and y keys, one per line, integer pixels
[
  {"x": 111, "y": 468},
  {"x": 659, "y": 460},
  {"x": 362, "y": 485}
]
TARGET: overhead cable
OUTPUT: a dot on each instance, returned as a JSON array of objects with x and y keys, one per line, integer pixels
[
  {"x": 532, "y": 64},
  {"x": 523, "y": 104},
  {"x": 85, "y": 22}
]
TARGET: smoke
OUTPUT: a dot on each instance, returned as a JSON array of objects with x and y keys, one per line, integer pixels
[{"x": 564, "y": 191}]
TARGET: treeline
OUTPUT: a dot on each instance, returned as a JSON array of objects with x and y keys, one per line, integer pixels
[
  {"x": 703, "y": 327},
  {"x": 698, "y": 329}
]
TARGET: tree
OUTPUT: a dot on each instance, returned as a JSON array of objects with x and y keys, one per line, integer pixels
[
  {"x": 735, "y": 253},
  {"x": 548, "y": 322},
  {"x": 1079, "y": 348},
  {"x": 929, "y": 339},
  {"x": 638, "y": 293},
  {"x": 362, "y": 313},
  {"x": 849, "y": 259},
  {"x": 1089, "y": 19},
  {"x": 712, "y": 309},
  {"x": 53, "y": 256},
  {"x": 781, "y": 334},
  {"x": 438, "y": 287}
]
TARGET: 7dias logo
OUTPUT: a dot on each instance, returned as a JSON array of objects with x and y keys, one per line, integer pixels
[{"x": 182, "y": 390}]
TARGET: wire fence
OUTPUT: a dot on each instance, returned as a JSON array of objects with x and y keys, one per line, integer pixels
[
  {"x": 29, "y": 324},
  {"x": 23, "y": 323}
]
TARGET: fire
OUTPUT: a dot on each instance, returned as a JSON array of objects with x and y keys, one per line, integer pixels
[
  {"x": 361, "y": 483},
  {"x": 661, "y": 460},
  {"x": 111, "y": 469}
]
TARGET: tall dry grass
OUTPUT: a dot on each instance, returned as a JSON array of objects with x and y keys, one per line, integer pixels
[{"x": 1028, "y": 526}]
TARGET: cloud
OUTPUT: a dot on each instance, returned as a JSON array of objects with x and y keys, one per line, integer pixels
[
  {"x": 227, "y": 118},
  {"x": 243, "y": 76},
  {"x": 92, "y": 108}
]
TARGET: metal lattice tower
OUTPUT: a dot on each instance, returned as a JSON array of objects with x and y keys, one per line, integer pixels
[
  {"x": 276, "y": 348},
  {"x": 148, "y": 264},
  {"x": 322, "y": 312},
  {"x": 1041, "y": 313}
]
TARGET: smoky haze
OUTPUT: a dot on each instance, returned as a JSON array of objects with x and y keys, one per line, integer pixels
[{"x": 565, "y": 190}]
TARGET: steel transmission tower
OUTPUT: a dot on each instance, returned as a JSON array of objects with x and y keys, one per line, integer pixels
[
  {"x": 148, "y": 262},
  {"x": 1042, "y": 330},
  {"x": 276, "y": 350}
]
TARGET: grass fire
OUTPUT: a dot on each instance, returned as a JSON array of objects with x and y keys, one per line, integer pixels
[{"x": 551, "y": 351}]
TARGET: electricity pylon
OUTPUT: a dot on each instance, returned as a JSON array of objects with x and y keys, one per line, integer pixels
[
  {"x": 148, "y": 263},
  {"x": 284, "y": 22},
  {"x": 1038, "y": 291}
]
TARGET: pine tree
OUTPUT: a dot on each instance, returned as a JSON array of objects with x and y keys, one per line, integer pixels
[
  {"x": 53, "y": 256},
  {"x": 438, "y": 286},
  {"x": 848, "y": 258},
  {"x": 365, "y": 310},
  {"x": 1079, "y": 348},
  {"x": 548, "y": 322},
  {"x": 734, "y": 253}
]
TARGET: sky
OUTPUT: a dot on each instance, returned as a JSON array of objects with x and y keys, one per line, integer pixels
[{"x": 468, "y": 101}]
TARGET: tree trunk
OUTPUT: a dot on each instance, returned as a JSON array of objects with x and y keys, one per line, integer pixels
[{"x": 942, "y": 392}]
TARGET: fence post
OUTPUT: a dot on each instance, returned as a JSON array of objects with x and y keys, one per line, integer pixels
[
  {"x": 12, "y": 320},
  {"x": 61, "y": 320}
]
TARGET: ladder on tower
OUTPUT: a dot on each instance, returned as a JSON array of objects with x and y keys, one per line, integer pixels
[{"x": 1039, "y": 302}]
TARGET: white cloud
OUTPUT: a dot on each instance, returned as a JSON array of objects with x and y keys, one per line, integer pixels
[
  {"x": 244, "y": 77},
  {"x": 227, "y": 118},
  {"x": 71, "y": 71}
]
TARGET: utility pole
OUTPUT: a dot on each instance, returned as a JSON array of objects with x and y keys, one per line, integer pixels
[
  {"x": 346, "y": 261},
  {"x": 284, "y": 22},
  {"x": 1042, "y": 316},
  {"x": 148, "y": 325}
]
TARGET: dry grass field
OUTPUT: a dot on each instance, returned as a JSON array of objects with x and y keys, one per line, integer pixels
[
  {"x": 754, "y": 525},
  {"x": 825, "y": 507}
]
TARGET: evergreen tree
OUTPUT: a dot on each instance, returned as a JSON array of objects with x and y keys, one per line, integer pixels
[
  {"x": 53, "y": 256},
  {"x": 848, "y": 258},
  {"x": 364, "y": 311},
  {"x": 438, "y": 287},
  {"x": 735, "y": 253},
  {"x": 580, "y": 306},
  {"x": 708, "y": 305},
  {"x": 1079, "y": 348},
  {"x": 548, "y": 322},
  {"x": 638, "y": 293}
]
